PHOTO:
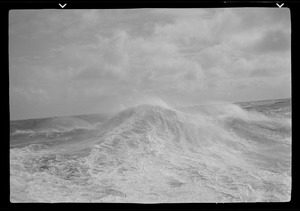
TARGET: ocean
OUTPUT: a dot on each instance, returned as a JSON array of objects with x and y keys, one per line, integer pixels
[{"x": 226, "y": 152}]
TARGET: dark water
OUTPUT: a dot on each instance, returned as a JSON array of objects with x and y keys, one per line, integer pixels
[{"x": 149, "y": 154}]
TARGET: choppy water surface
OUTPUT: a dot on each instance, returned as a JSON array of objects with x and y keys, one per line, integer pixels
[{"x": 218, "y": 153}]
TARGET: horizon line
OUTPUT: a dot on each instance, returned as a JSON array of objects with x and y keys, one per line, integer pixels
[{"x": 110, "y": 112}]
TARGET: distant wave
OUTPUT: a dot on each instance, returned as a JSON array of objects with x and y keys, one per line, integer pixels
[
  {"x": 52, "y": 125},
  {"x": 16, "y": 132},
  {"x": 62, "y": 124}
]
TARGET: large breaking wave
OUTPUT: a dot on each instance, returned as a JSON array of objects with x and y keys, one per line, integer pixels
[{"x": 151, "y": 153}]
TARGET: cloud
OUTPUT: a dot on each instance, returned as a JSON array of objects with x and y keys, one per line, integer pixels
[
  {"x": 95, "y": 73},
  {"x": 30, "y": 94},
  {"x": 97, "y": 60},
  {"x": 135, "y": 60},
  {"x": 273, "y": 41}
]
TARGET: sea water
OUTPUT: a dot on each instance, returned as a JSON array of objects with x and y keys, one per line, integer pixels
[{"x": 153, "y": 153}]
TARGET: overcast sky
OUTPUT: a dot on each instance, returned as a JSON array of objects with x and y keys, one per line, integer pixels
[{"x": 65, "y": 62}]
